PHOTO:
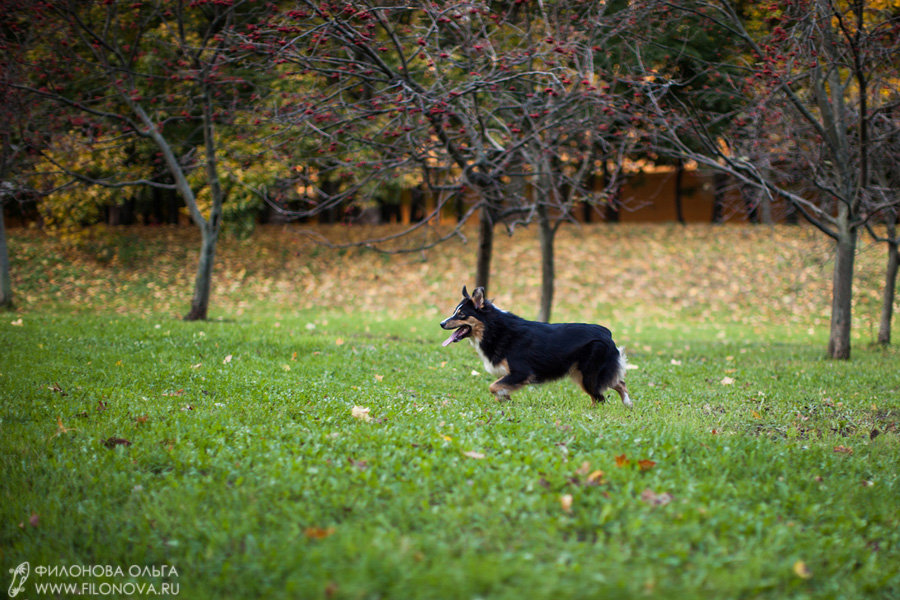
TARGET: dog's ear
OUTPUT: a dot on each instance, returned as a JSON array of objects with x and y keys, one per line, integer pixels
[
  {"x": 478, "y": 297},
  {"x": 465, "y": 293}
]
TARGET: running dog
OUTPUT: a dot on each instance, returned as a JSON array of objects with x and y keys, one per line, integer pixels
[{"x": 520, "y": 352}]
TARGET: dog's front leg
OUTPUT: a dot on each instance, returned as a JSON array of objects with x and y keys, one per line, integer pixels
[{"x": 506, "y": 385}]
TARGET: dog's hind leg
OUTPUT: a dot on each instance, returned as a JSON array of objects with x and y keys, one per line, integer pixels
[{"x": 623, "y": 392}]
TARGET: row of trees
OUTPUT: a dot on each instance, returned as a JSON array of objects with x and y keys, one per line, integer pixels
[{"x": 510, "y": 110}]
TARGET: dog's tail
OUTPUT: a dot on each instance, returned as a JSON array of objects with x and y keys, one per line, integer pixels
[
  {"x": 620, "y": 378},
  {"x": 623, "y": 364}
]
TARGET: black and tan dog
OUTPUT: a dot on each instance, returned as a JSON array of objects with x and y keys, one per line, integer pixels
[{"x": 520, "y": 352}]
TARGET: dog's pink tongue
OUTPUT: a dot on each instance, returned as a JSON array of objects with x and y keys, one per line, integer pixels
[{"x": 449, "y": 340}]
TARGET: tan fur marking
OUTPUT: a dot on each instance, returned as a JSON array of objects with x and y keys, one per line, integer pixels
[{"x": 477, "y": 328}]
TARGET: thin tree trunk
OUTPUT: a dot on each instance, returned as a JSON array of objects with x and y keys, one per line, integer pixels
[
  {"x": 842, "y": 294},
  {"x": 6, "y": 295},
  {"x": 720, "y": 182},
  {"x": 485, "y": 248},
  {"x": 548, "y": 274},
  {"x": 210, "y": 230},
  {"x": 890, "y": 283},
  {"x": 679, "y": 175}
]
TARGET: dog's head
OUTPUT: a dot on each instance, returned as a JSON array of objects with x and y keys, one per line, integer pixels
[{"x": 468, "y": 318}]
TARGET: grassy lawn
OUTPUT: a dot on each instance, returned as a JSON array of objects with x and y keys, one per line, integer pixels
[{"x": 750, "y": 467}]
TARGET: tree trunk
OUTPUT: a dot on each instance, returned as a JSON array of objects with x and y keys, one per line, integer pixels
[
  {"x": 890, "y": 283},
  {"x": 842, "y": 294},
  {"x": 720, "y": 182},
  {"x": 6, "y": 295},
  {"x": 203, "y": 280},
  {"x": 485, "y": 248},
  {"x": 548, "y": 275},
  {"x": 679, "y": 175},
  {"x": 210, "y": 229}
]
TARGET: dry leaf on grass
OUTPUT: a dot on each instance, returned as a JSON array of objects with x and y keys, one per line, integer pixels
[
  {"x": 114, "y": 441},
  {"x": 318, "y": 533},
  {"x": 361, "y": 413},
  {"x": 653, "y": 499},
  {"x": 801, "y": 570}
]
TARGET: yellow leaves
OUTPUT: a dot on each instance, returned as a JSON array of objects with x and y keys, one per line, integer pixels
[
  {"x": 727, "y": 381},
  {"x": 801, "y": 570},
  {"x": 473, "y": 454},
  {"x": 227, "y": 359},
  {"x": 843, "y": 450},
  {"x": 621, "y": 461},
  {"x": 595, "y": 477},
  {"x": 566, "y": 502},
  {"x": 17, "y": 322},
  {"x": 339, "y": 342},
  {"x": 361, "y": 413}
]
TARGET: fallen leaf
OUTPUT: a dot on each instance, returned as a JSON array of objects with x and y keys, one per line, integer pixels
[
  {"x": 17, "y": 322},
  {"x": 56, "y": 388},
  {"x": 62, "y": 428},
  {"x": 339, "y": 342},
  {"x": 801, "y": 570},
  {"x": 318, "y": 533},
  {"x": 677, "y": 363},
  {"x": 843, "y": 450},
  {"x": 652, "y": 498},
  {"x": 379, "y": 377},
  {"x": 142, "y": 419},
  {"x": 473, "y": 454},
  {"x": 621, "y": 461},
  {"x": 197, "y": 366},
  {"x": 227, "y": 360},
  {"x": 756, "y": 415},
  {"x": 595, "y": 478},
  {"x": 114, "y": 441},
  {"x": 33, "y": 519},
  {"x": 645, "y": 464},
  {"x": 361, "y": 413},
  {"x": 447, "y": 438},
  {"x": 727, "y": 381},
  {"x": 474, "y": 373},
  {"x": 286, "y": 367},
  {"x": 566, "y": 501},
  {"x": 584, "y": 469}
]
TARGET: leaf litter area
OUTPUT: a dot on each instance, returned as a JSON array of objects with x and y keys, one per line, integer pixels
[{"x": 746, "y": 275}]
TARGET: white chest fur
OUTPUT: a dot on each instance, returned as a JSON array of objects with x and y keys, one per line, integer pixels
[{"x": 495, "y": 370}]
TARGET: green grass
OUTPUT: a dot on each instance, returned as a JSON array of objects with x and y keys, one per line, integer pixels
[{"x": 775, "y": 471}]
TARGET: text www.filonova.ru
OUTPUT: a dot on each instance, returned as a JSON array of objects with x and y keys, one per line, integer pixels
[{"x": 83, "y": 580}]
